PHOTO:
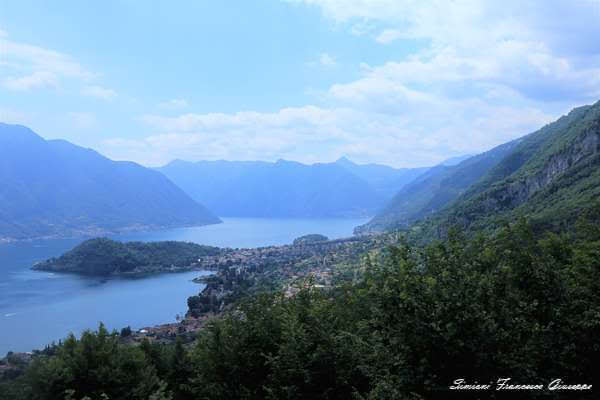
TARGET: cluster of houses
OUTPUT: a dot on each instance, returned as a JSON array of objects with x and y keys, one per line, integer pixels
[{"x": 291, "y": 266}]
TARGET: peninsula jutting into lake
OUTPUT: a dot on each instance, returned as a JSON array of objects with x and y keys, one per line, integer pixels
[
  {"x": 310, "y": 257},
  {"x": 105, "y": 257}
]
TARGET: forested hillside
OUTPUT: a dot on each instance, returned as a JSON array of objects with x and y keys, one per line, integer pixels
[
  {"x": 510, "y": 305},
  {"x": 551, "y": 177},
  {"x": 106, "y": 257}
]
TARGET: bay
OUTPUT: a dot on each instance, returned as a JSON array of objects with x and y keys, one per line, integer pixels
[{"x": 37, "y": 308}]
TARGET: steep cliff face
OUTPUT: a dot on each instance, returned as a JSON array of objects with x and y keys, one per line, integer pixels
[
  {"x": 517, "y": 192},
  {"x": 555, "y": 178},
  {"x": 583, "y": 149}
]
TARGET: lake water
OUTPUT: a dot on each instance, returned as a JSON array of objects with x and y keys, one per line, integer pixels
[{"x": 37, "y": 308}]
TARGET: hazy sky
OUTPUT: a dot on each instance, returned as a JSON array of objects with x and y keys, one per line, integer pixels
[{"x": 407, "y": 83}]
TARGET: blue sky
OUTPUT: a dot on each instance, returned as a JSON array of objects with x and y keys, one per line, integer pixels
[{"x": 401, "y": 82}]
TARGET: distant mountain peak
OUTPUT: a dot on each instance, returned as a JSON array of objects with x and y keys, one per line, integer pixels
[
  {"x": 282, "y": 161},
  {"x": 179, "y": 161},
  {"x": 343, "y": 160},
  {"x": 18, "y": 133}
]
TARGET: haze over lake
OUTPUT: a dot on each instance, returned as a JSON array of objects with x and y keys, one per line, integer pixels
[{"x": 39, "y": 307}]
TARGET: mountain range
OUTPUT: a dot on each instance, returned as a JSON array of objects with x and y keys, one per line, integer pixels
[
  {"x": 289, "y": 189},
  {"x": 52, "y": 188}
]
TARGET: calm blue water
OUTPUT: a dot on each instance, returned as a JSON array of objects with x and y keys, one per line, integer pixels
[{"x": 37, "y": 308}]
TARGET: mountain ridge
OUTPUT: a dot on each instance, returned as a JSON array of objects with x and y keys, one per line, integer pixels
[
  {"x": 289, "y": 188},
  {"x": 53, "y": 188},
  {"x": 550, "y": 176}
]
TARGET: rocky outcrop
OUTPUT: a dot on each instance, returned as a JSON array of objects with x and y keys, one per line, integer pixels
[{"x": 581, "y": 150}]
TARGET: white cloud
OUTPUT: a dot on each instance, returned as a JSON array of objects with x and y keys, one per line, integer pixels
[
  {"x": 362, "y": 28},
  {"x": 27, "y": 66},
  {"x": 300, "y": 116},
  {"x": 36, "y": 79},
  {"x": 291, "y": 132},
  {"x": 483, "y": 73},
  {"x": 344, "y": 10},
  {"x": 389, "y": 35},
  {"x": 98, "y": 92},
  {"x": 545, "y": 52},
  {"x": 424, "y": 133},
  {"x": 174, "y": 104},
  {"x": 326, "y": 60}
]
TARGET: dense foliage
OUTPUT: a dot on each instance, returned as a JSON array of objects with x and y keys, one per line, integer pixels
[
  {"x": 103, "y": 256},
  {"x": 512, "y": 305}
]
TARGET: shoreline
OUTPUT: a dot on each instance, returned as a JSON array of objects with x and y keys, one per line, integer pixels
[
  {"x": 186, "y": 319},
  {"x": 84, "y": 235},
  {"x": 286, "y": 268},
  {"x": 279, "y": 263}
]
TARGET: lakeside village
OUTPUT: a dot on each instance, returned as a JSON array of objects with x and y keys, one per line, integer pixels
[{"x": 310, "y": 260}]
